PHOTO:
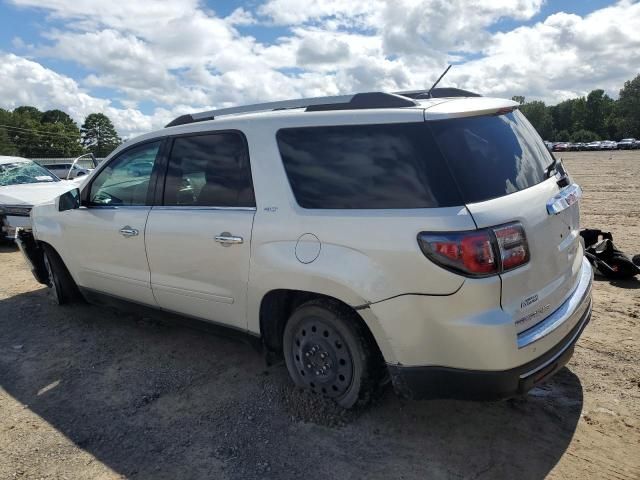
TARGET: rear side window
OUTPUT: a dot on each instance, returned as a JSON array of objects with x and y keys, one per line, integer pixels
[
  {"x": 366, "y": 167},
  {"x": 492, "y": 156},
  {"x": 210, "y": 170}
]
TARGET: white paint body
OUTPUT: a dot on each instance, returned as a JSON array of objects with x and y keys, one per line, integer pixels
[{"x": 419, "y": 313}]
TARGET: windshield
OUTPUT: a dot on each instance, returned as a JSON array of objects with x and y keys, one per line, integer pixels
[
  {"x": 492, "y": 156},
  {"x": 18, "y": 173}
]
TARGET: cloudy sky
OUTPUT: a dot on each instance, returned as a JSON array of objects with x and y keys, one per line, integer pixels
[{"x": 143, "y": 62}]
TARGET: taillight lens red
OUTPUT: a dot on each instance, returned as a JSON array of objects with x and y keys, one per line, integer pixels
[
  {"x": 477, "y": 253},
  {"x": 467, "y": 252},
  {"x": 512, "y": 244}
]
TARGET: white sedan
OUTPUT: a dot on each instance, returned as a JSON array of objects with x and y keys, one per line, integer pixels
[{"x": 23, "y": 184}]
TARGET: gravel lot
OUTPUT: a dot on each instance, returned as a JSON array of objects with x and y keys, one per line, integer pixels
[{"x": 88, "y": 392}]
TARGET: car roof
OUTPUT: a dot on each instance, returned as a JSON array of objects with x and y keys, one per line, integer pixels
[
  {"x": 7, "y": 159},
  {"x": 433, "y": 108}
]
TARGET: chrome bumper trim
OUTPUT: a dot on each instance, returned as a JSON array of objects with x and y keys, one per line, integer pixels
[
  {"x": 572, "y": 340},
  {"x": 573, "y": 307}
]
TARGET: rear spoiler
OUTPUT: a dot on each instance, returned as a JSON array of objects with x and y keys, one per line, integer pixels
[{"x": 469, "y": 107}]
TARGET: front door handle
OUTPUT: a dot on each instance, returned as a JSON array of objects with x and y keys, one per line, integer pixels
[
  {"x": 129, "y": 232},
  {"x": 226, "y": 239}
]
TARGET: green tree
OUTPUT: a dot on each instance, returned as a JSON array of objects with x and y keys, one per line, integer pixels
[
  {"x": 7, "y": 147},
  {"x": 540, "y": 117},
  {"x": 518, "y": 98},
  {"x": 599, "y": 106},
  {"x": 562, "y": 136},
  {"x": 585, "y": 136},
  {"x": 57, "y": 116},
  {"x": 24, "y": 133},
  {"x": 628, "y": 109},
  {"x": 29, "y": 112},
  {"x": 36, "y": 134},
  {"x": 561, "y": 114},
  {"x": 579, "y": 114},
  {"x": 99, "y": 136}
]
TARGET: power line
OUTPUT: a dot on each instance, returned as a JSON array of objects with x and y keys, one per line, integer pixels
[{"x": 40, "y": 132}]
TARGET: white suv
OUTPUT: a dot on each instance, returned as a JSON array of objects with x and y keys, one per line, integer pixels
[{"x": 426, "y": 237}]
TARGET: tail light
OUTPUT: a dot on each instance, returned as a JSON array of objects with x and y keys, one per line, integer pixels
[{"x": 477, "y": 253}]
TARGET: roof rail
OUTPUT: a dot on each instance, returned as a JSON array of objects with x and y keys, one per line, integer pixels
[
  {"x": 438, "y": 93},
  {"x": 358, "y": 101}
]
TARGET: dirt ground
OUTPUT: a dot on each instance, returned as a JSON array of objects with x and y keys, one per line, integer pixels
[{"x": 88, "y": 392}]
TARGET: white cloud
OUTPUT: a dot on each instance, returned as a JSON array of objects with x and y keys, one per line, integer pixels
[
  {"x": 564, "y": 56},
  {"x": 181, "y": 57},
  {"x": 26, "y": 82}
]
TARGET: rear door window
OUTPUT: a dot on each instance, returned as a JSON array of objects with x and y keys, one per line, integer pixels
[
  {"x": 391, "y": 166},
  {"x": 492, "y": 156},
  {"x": 209, "y": 170}
]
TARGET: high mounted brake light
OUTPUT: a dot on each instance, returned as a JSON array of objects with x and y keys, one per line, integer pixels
[{"x": 477, "y": 253}]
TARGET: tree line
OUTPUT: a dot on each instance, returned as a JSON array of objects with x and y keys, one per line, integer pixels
[
  {"x": 28, "y": 132},
  {"x": 587, "y": 119}
]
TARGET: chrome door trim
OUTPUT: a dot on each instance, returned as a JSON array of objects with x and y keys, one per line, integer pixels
[
  {"x": 196, "y": 207},
  {"x": 115, "y": 207}
]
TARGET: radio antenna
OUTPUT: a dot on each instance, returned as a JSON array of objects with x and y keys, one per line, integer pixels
[{"x": 438, "y": 81}]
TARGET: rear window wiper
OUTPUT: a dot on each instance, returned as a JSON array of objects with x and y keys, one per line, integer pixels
[
  {"x": 557, "y": 167},
  {"x": 551, "y": 168}
]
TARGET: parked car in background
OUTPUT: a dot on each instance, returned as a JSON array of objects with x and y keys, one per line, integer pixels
[
  {"x": 560, "y": 147},
  {"x": 627, "y": 144},
  {"x": 549, "y": 145},
  {"x": 23, "y": 184},
  {"x": 259, "y": 218},
  {"x": 593, "y": 146},
  {"x": 67, "y": 170},
  {"x": 608, "y": 145},
  {"x": 636, "y": 144}
]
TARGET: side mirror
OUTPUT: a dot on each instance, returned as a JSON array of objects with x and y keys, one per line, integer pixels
[{"x": 69, "y": 200}]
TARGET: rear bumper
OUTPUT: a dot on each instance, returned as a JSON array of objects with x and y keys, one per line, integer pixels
[
  {"x": 552, "y": 341},
  {"x": 443, "y": 382}
]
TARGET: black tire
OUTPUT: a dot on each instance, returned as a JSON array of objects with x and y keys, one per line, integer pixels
[
  {"x": 62, "y": 288},
  {"x": 328, "y": 350}
]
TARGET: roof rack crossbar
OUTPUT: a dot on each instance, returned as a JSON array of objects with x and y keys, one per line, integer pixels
[{"x": 339, "y": 102}]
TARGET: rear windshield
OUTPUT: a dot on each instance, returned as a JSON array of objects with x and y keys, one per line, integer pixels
[
  {"x": 413, "y": 165},
  {"x": 366, "y": 167},
  {"x": 492, "y": 156}
]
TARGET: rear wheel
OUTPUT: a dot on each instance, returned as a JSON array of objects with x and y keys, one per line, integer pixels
[
  {"x": 62, "y": 288},
  {"x": 327, "y": 351}
]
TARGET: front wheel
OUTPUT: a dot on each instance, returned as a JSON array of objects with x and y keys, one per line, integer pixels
[
  {"x": 327, "y": 350},
  {"x": 62, "y": 288}
]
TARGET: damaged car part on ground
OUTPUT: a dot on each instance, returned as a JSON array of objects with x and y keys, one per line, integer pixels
[{"x": 353, "y": 235}]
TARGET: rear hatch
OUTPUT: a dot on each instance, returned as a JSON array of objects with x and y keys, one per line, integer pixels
[{"x": 500, "y": 164}]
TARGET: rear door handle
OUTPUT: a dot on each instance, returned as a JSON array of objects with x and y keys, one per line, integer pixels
[
  {"x": 129, "y": 232},
  {"x": 226, "y": 239}
]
